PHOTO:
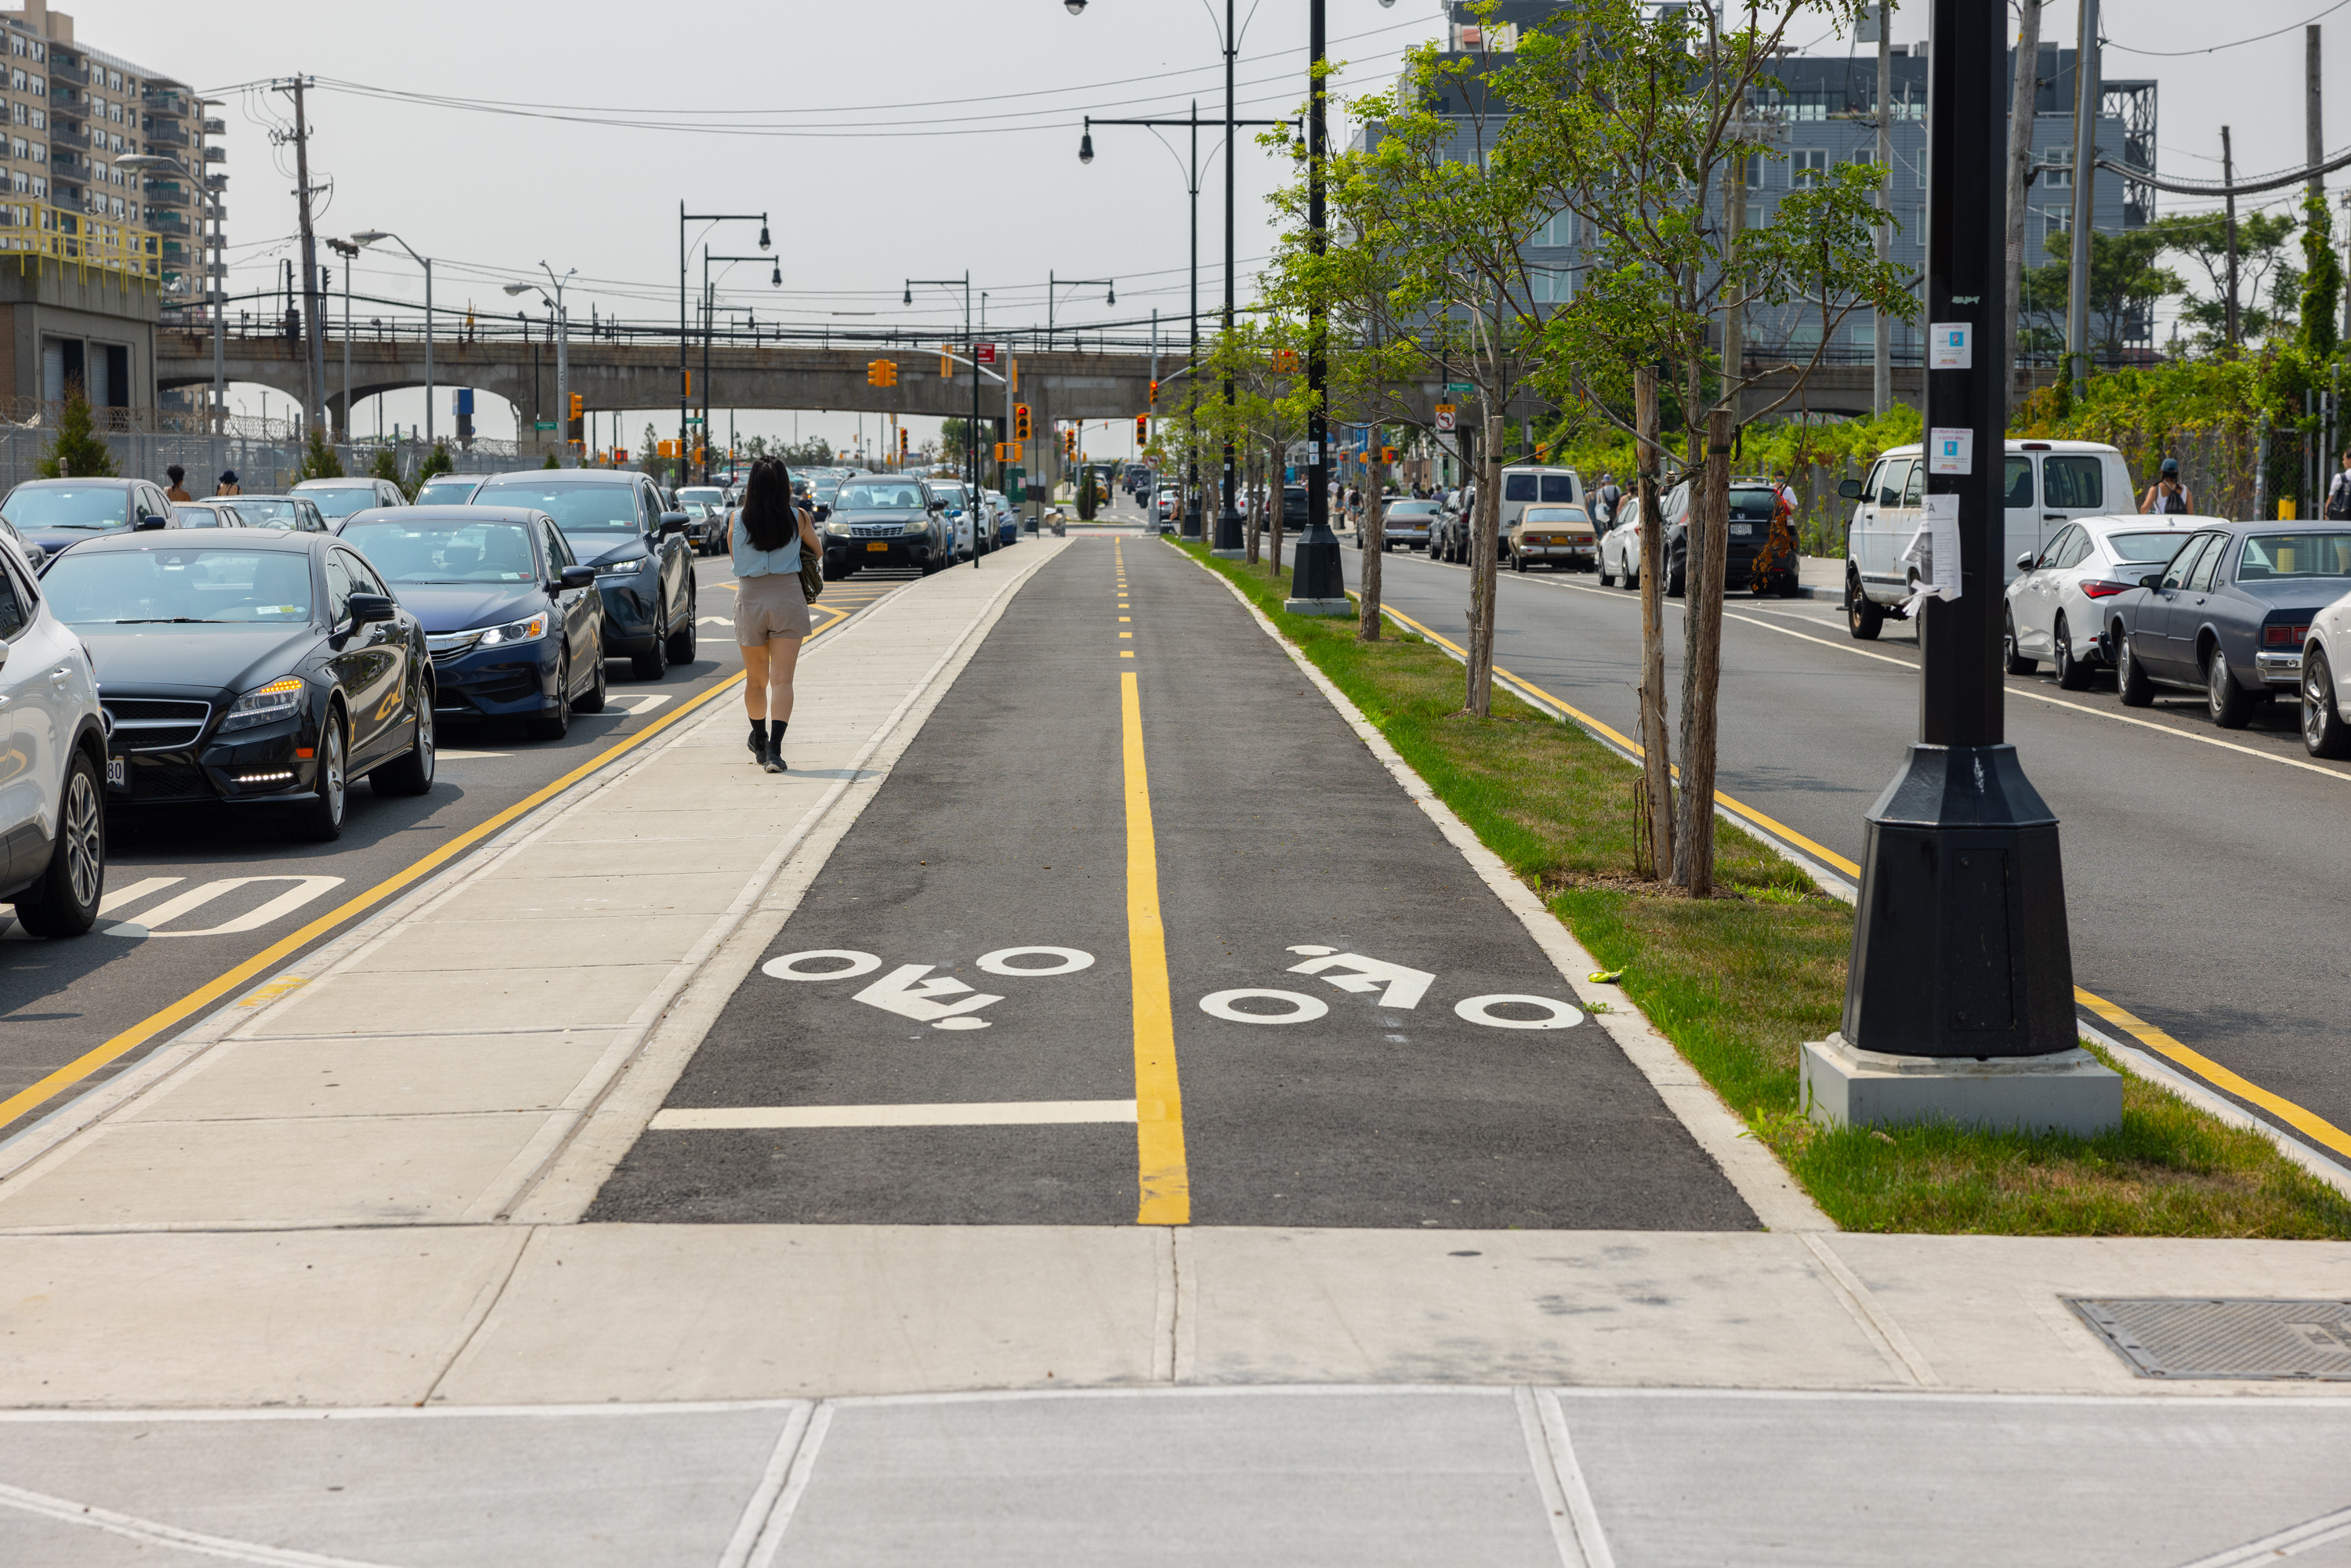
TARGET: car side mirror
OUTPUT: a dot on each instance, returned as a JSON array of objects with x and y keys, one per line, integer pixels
[
  {"x": 2152, "y": 580},
  {"x": 2024, "y": 561},
  {"x": 147, "y": 520},
  {"x": 1850, "y": 489},
  {"x": 673, "y": 523},
  {"x": 368, "y": 607},
  {"x": 576, "y": 577}
]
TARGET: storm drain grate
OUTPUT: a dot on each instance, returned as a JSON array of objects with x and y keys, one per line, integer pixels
[{"x": 2205, "y": 1337}]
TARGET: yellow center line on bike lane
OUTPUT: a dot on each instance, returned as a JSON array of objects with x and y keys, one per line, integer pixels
[
  {"x": 213, "y": 990},
  {"x": 1164, "y": 1177},
  {"x": 2310, "y": 1125}
]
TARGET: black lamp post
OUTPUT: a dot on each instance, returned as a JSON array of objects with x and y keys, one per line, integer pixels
[
  {"x": 685, "y": 395},
  {"x": 1959, "y": 948},
  {"x": 971, "y": 432},
  {"x": 1315, "y": 576}
]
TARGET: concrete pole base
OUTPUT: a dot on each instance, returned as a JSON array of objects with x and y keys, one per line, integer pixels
[
  {"x": 1230, "y": 554},
  {"x": 2067, "y": 1091},
  {"x": 1318, "y": 606}
]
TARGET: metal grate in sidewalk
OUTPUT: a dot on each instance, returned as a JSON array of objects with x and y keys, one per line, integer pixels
[{"x": 2205, "y": 1337}]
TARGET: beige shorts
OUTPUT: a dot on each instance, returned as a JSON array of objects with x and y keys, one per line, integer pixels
[{"x": 769, "y": 606}]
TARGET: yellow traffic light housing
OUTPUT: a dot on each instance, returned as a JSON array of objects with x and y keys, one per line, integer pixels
[
  {"x": 1020, "y": 431},
  {"x": 578, "y": 404},
  {"x": 1154, "y": 394},
  {"x": 1143, "y": 430}
]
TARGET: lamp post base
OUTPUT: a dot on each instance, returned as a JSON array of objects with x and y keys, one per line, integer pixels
[
  {"x": 1315, "y": 575},
  {"x": 1228, "y": 534},
  {"x": 1960, "y": 946},
  {"x": 2066, "y": 1091}
]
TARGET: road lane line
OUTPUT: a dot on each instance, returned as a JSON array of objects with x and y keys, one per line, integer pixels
[
  {"x": 970, "y": 1113},
  {"x": 2309, "y": 1123},
  {"x": 1166, "y": 1180},
  {"x": 227, "y": 984}
]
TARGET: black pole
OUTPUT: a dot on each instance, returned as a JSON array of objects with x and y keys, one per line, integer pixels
[
  {"x": 971, "y": 435},
  {"x": 1315, "y": 574},
  {"x": 1192, "y": 366},
  {"x": 1228, "y": 516},
  {"x": 1959, "y": 943}
]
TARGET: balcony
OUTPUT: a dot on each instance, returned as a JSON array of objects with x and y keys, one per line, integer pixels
[
  {"x": 167, "y": 223},
  {"x": 216, "y": 128},
  {"x": 59, "y": 70},
  {"x": 216, "y": 154},
  {"x": 166, "y": 136}
]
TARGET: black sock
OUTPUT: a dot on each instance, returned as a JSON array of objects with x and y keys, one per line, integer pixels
[
  {"x": 776, "y": 727},
  {"x": 758, "y": 732}
]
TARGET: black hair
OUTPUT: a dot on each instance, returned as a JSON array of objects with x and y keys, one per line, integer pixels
[
  {"x": 175, "y": 472},
  {"x": 770, "y": 519}
]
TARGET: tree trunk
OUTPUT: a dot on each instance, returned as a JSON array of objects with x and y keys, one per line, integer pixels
[
  {"x": 2026, "y": 94},
  {"x": 1710, "y": 525},
  {"x": 1656, "y": 754},
  {"x": 1482, "y": 557},
  {"x": 1269, "y": 497},
  {"x": 1372, "y": 535},
  {"x": 1256, "y": 513}
]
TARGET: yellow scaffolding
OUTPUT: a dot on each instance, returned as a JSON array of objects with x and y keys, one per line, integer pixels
[{"x": 39, "y": 229}]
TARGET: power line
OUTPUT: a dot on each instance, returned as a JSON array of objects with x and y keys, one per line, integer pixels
[{"x": 2238, "y": 43}]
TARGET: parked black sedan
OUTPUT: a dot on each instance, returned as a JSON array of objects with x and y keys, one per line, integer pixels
[
  {"x": 616, "y": 522},
  {"x": 2229, "y": 614},
  {"x": 514, "y": 623},
  {"x": 249, "y": 666}
]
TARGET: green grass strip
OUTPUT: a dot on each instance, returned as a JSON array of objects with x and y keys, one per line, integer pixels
[{"x": 1737, "y": 983}]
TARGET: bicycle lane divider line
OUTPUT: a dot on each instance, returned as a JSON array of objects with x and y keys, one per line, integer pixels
[
  {"x": 227, "y": 984},
  {"x": 1164, "y": 1178},
  {"x": 2307, "y": 1121}
]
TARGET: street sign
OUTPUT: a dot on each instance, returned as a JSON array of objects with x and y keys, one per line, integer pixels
[
  {"x": 1458, "y": 389},
  {"x": 1445, "y": 417},
  {"x": 543, "y": 423},
  {"x": 985, "y": 353}
]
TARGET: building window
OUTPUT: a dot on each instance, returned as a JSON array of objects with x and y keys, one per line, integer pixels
[
  {"x": 1550, "y": 287},
  {"x": 1807, "y": 166},
  {"x": 17, "y": 47},
  {"x": 1754, "y": 214},
  {"x": 40, "y": 153},
  {"x": 1559, "y": 229},
  {"x": 37, "y": 88},
  {"x": 40, "y": 120},
  {"x": 2054, "y": 175},
  {"x": 40, "y": 186}
]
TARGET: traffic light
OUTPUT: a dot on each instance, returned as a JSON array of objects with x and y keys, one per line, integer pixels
[
  {"x": 697, "y": 455},
  {"x": 1387, "y": 453},
  {"x": 578, "y": 404},
  {"x": 1285, "y": 359},
  {"x": 1020, "y": 421},
  {"x": 1154, "y": 394},
  {"x": 901, "y": 443},
  {"x": 1068, "y": 444},
  {"x": 689, "y": 383},
  {"x": 947, "y": 362},
  {"x": 665, "y": 449},
  {"x": 1143, "y": 430},
  {"x": 881, "y": 372}
]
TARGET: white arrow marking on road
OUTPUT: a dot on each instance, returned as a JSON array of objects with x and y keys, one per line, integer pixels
[
  {"x": 1304, "y": 1009},
  {"x": 787, "y": 967},
  {"x": 1070, "y": 960},
  {"x": 115, "y": 899},
  {"x": 1405, "y": 987},
  {"x": 646, "y": 704},
  {"x": 714, "y": 621},
  {"x": 1475, "y": 1009},
  {"x": 905, "y": 992},
  {"x": 304, "y": 890}
]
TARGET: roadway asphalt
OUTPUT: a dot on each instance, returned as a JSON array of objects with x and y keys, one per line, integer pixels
[
  {"x": 2189, "y": 852},
  {"x": 1280, "y": 841},
  {"x": 60, "y": 999}
]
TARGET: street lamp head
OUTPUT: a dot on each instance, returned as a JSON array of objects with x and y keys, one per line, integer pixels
[
  {"x": 520, "y": 287},
  {"x": 909, "y": 299},
  {"x": 1074, "y": 8},
  {"x": 1086, "y": 147},
  {"x": 776, "y": 280},
  {"x": 1113, "y": 295},
  {"x": 369, "y": 236},
  {"x": 765, "y": 242}
]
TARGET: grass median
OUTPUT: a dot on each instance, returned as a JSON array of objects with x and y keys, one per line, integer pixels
[{"x": 1738, "y": 982}]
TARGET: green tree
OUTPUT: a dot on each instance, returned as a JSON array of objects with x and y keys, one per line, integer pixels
[
  {"x": 319, "y": 458},
  {"x": 2203, "y": 238},
  {"x": 550, "y": 462},
  {"x": 77, "y": 451},
  {"x": 2322, "y": 282},
  {"x": 2126, "y": 285},
  {"x": 386, "y": 465},
  {"x": 435, "y": 461}
]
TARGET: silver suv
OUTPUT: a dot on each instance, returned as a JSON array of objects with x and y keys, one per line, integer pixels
[{"x": 53, "y": 802}]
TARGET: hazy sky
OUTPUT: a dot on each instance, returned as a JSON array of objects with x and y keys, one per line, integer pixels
[{"x": 920, "y": 137}]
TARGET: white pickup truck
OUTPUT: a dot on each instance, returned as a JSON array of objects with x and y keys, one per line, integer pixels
[{"x": 2048, "y": 484}]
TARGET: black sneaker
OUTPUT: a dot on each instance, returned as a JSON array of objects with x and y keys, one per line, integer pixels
[
  {"x": 758, "y": 743},
  {"x": 772, "y": 759}
]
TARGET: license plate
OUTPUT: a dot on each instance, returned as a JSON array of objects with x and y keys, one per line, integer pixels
[
  {"x": 878, "y": 545},
  {"x": 1743, "y": 529},
  {"x": 118, "y": 772}
]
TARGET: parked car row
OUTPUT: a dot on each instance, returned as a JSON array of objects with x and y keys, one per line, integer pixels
[{"x": 911, "y": 521}]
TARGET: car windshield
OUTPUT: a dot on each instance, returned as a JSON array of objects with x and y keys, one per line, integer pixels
[
  {"x": 445, "y": 551},
  {"x": 342, "y": 500},
  {"x": 265, "y": 512},
  {"x": 709, "y": 495},
  {"x": 1556, "y": 514},
  {"x": 577, "y": 507},
  {"x": 2313, "y": 554},
  {"x": 1753, "y": 506},
  {"x": 201, "y": 584},
  {"x": 2156, "y": 548},
  {"x": 1412, "y": 510},
  {"x": 196, "y": 518},
  {"x": 66, "y": 506},
  {"x": 870, "y": 497},
  {"x": 446, "y": 493}
]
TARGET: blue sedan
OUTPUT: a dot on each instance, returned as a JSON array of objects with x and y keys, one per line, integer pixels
[
  {"x": 515, "y": 624},
  {"x": 2229, "y": 615}
]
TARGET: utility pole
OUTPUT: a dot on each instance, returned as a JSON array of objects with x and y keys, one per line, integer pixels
[
  {"x": 2087, "y": 96},
  {"x": 1316, "y": 584},
  {"x": 2024, "y": 103},
  {"x": 347, "y": 250},
  {"x": 2229, "y": 179},
  {"x": 314, "y": 373},
  {"x": 1881, "y": 378}
]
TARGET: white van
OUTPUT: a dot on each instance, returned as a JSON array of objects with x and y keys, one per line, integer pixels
[
  {"x": 2048, "y": 484},
  {"x": 1527, "y": 486}
]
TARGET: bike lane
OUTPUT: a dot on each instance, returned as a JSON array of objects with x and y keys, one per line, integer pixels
[{"x": 1138, "y": 929}]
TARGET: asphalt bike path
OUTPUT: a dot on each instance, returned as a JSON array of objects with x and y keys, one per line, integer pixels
[
  {"x": 2201, "y": 865},
  {"x": 192, "y": 894},
  {"x": 1137, "y": 928}
]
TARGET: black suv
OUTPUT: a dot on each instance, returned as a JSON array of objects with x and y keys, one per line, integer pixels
[
  {"x": 621, "y": 524},
  {"x": 886, "y": 519},
  {"x": 1751, "y": 561}
]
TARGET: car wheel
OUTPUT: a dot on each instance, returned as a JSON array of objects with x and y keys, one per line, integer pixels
[
  {"x": 555, "y": 723},
  {"x": 1789, "y": 587},
  {"x": 321, "y": 820},
  {"x": 653, "y": 665},
  {"x": 2130, "y": 676},
  {"x": 1864, "y": 617},
  {"x": 1675, "y": 586},
  {"x": 2072, "y": 673},
  {"x": 64, "y": 902},
  {"x": 592, "y": 700},
  {"x": 2229, "y": 703},
  {"x": 412, "y": 773},
  {"x": 1631, "y": 577},
  {"x": 2324, "y": 733},
  {"x": 681, "y": 642},
  {"x": 2010, "y": 660}
]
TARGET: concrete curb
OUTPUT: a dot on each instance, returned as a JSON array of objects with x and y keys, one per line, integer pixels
[{"x": 1751, "y": 1167}]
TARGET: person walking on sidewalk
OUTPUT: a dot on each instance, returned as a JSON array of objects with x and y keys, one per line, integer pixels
[
  {"x": 2167, "y": 493},
  {"x": 2338, "y": 494},
  {"x": 765, "y": 536}
]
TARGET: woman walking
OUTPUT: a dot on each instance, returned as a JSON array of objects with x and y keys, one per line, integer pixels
[{"x": 765, "y": 536}]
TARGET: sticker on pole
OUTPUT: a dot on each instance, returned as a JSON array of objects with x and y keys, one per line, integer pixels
[
  {"x": 1950, "y": 451},
  {"x": 1948, "y": 347},
  {"x": 1934, "y": 550}
]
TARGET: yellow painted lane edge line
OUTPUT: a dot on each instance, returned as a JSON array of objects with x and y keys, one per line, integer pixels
[
  {"x": 1164, "y": 1178},
  {"x": 2308, "y": 1123},
  {"x": 213, "y": 990}
]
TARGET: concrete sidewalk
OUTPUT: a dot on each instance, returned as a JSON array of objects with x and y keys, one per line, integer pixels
[{"x": 359, "y": 1190}]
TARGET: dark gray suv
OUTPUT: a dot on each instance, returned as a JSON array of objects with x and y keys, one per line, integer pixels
[{"x": 886, "y": 519}]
